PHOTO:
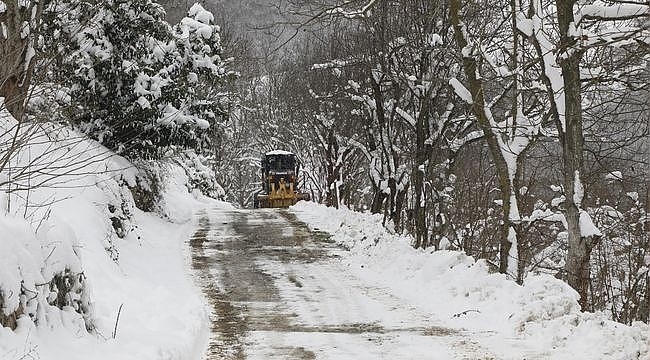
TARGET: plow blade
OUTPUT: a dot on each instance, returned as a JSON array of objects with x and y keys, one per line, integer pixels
[{"x": 269, "y": 201}]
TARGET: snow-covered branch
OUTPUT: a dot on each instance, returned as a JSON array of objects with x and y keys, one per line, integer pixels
[{"x": 352, "y": 14}]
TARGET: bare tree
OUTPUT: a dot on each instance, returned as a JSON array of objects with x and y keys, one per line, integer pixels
[{"x": 562, "y": 59}]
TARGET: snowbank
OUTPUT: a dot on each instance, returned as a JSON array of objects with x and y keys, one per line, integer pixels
[
  {"x": 83, "y": 234},
  {"x": 540, "y": 320}
]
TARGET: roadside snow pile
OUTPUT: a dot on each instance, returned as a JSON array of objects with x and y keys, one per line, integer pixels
[
  {"x": 541, "y": 319},
  {"x": 75, "y": 251}
]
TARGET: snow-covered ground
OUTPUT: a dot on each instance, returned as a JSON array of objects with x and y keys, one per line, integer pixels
[
  {"x": 145, "y": 273},
  {"x": 540, "y": 320},
  {"x": 162, "y": 316}
]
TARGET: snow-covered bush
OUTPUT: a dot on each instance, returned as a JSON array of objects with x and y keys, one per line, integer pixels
[
  {"x": 621, "y": 263},
  {"x": 138, "y": 85},
  {"x": 42, "y": 275},
  {"x": 41, "y": 270},
  {"x": 146, "y": 187},
  {"x": 154, "y": 177},
  {"x": 200, "y": 175}
]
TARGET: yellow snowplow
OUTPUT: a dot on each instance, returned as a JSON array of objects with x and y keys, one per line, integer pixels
[{"x": 279, "y": 181}]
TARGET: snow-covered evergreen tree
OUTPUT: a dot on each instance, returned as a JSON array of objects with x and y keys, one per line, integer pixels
[{"x": 141, "y": 86}]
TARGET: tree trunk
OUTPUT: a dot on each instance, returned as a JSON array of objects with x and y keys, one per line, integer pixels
[
  {"x": 17, "y": 54},
  {"x": 398, "y": 201},
  {"x": 377, "y": 200},
  {"x": 421, "y": 156},
  {"x": 333, "y": 170},
  {"x": 419, "y": 211},
  {"x": 579, "y": 252},
  {"x": 478, "y": 108}
]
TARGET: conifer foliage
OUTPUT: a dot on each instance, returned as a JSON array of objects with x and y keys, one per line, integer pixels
[{"x": 141, "y": 86}]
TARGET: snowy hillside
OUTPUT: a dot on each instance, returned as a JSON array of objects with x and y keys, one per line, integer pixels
[
  {"x": 82, "y": 253},
  {"x": 539, "y": 320}
]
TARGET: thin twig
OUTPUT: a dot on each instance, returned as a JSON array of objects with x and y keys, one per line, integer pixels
[{"x": 117, "y": 321}]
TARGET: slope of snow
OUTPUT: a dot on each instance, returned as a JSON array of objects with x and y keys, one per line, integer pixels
[
  {"x": 145, "y": 273},
  {"x": 163, "y": 315},
  {"x": 540, "y": 320}
]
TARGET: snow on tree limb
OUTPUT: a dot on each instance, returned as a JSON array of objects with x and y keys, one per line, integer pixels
[
  {"x": 457, "y": 143},
  {"x": 356, "y": 14},
  {"x": 461, "y": 90},
  {"x": 620, "y": 11},
  {"x": 406, "y": 116}
]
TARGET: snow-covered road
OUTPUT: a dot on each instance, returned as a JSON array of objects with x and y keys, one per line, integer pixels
[{"x": 279, "y": 291}]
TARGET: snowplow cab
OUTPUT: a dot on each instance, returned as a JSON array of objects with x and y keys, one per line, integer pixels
[{"x": 279, "y": 181}]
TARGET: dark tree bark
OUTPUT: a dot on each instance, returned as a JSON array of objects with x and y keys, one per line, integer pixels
[
  {"x": 571, "y": 137},
  {"x": 17, "y": 53},
  {"x": 421, "y": 155},
  {"x": 470, "y": 68}
]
